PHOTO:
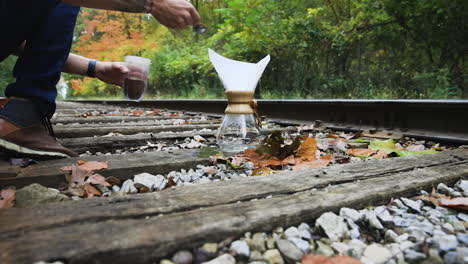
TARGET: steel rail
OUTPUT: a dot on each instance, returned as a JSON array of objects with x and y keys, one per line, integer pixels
[{"x": 443, "y": 120}]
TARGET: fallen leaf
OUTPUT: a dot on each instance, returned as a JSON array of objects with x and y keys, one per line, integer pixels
[
  {"x": 316, "y": 259},
  {"x": 262, "y": 171},
  {"x": 91, "y": 191},
  {"x": 362, "y": 153},
  {"x": 389, "y": 147},
  {"x": 237, "y": 161},
  {"x": 320, "y": 163},
  {"x": 340, "y": 144},
  {"x": 170, "y": 183},
  {"x": 433, "y": 200},
  {"x": 380, "y": 155},
  {"x": 263, "y": 160},
  {"x": 386, "y": 145},
  {"x": 218, "y": 158},
  {"x": 458, "y": 203},
  {"x": 405, "y": 153},
  {"x": 113, "y": 180},
  {"x": 97, "y": 179},
  {"x": 8, "y": 200},
  {"x": 290, "y": 160},
  {"x": 307, "y": 150},
  {"x": 77, "y": 176},
  {"x": 89, "y": 166}
]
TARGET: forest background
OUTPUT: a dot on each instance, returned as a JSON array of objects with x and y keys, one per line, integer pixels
[{"x": 388, "y": 49}]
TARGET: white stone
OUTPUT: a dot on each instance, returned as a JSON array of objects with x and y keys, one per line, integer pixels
[
  {"x": 223, "y": 259},
  {"x": 377, "y": 254},
  {"x": 373, "y": 221},
  {"x": 301, "y": 244},
  {"x": 289, "y": 250},
  {"x": 273, "y": 256},
  {"x": 292, "y": 232},
  {"x": 356, "y": 247},
  {"x": 415, "y": 206},
  {"x": 446, "y": 243},
  {"x": 333, "y": 225},
  {"x": 391, "y": 236},
  {"x": 128, "y": 187},
  {"x": 351, "y": 214},
  {"x": 463, "y": 217},
  {"x": 448, "y": 228},
  {"x": 240, "y": 248},
  {"x": 383, "y": 215},
  {"x": 154, "y": 183},
  {"x": 462, "y": 185},
  {"x": 341, "y": 248}
]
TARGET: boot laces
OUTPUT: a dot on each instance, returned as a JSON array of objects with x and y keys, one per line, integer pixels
[{"x": 48, "y": 126}]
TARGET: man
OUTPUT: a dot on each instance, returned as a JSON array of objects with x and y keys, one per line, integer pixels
[{"x": 40, "y": 33}]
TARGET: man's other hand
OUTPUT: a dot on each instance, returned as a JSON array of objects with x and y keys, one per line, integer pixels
[
  {"x": 176, "y": 14},
  {"x": 111, "y": 72}
]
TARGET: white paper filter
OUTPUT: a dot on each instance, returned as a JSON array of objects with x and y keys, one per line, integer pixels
[{"x": 238, "y": 75}]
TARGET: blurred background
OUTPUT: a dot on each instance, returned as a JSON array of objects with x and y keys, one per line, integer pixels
[{"x": 369, "y": 49}]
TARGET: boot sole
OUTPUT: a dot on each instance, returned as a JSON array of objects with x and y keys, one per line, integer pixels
[{"x": 30, "y": 152}]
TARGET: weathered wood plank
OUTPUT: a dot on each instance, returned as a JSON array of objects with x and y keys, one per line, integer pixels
[
  {"x": 154, "y": 225},
  {"x": 100, "y": 131},
  {"x": 216, "y": 193},
  {"x": 104, "y": 144},
  {"x": 48, "y": 173},
  {"x": 167, "y": 122},
  {"x": 115, "y": 119}
]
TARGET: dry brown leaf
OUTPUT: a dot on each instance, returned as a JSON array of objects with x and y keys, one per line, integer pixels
[
  {"x": 362, "y": 152},
  {"x": 218, "y": 158},
  {"x": 8, "y": 196},
  {"x": 307, "y": 150},
  {"x": 381, "y": 154},
  {"x": 113, "y": 180},
  {"x": 316, "y": 259},
  {"x": 290, "y": 160},
  {"x": 77, "y": 176},
  {"x": 262, "y": 171},
  {"x": 458, "y": 203},
  {"x": 170, "y": 183},
  {"x": 311, "y": 164},
  {"x": 89, "y": 165},
  {"x": 261, "y": 160},
  {"x": 429, "y": 199},
  {"x": 91, "y": 190},
  {"x": 97, "y": 179},
  {"x": 237, "y": 160}
]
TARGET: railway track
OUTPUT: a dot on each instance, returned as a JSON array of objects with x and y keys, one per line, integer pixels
[{"x": 211, "y": 202}]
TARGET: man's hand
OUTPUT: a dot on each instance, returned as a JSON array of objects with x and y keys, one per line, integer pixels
[
  {"x": 111, "y": 72},
  {"x": 176, "y": 14}
]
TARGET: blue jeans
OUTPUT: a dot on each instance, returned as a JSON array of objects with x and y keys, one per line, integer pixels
[{"x": 47, "y": 27}]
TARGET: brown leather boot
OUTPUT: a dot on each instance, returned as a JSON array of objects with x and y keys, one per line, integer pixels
[{"x": 31, "y": 141}]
